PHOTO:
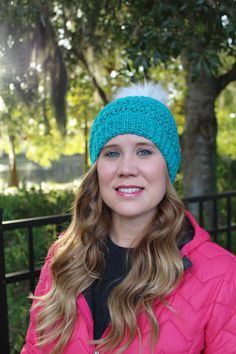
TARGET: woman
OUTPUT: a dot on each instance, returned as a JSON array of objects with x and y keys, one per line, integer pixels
[{"x": 134, "y": 272}]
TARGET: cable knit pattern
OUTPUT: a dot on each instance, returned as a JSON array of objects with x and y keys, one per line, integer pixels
[
  {"x": 142, "y": 116},
  {"x": 201, "y": 317}
]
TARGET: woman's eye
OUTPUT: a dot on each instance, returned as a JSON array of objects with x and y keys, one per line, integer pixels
[
  {"x": 144, "y": 152},
  {"x": 112, "y": 154}
]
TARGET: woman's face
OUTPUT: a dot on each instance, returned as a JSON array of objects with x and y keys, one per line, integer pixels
[{"x": 132, "y": 176}]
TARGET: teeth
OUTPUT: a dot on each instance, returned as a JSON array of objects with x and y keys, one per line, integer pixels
[{"x": 128, "y": 190}]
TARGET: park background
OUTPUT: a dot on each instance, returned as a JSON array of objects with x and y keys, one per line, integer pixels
[{"x": 61, "y": 61}]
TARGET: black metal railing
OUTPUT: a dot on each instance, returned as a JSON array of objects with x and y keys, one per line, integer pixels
[
  {"x": 216, "y": 212},
  {"x": 30, "y": 274}
]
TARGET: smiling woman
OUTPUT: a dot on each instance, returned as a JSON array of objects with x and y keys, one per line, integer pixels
[
  {"x": 132, "y": 181},
  {"x": 134, "y": 267}
]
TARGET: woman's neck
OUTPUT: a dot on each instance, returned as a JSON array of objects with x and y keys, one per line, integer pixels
[{"x": 126, "y": 232}]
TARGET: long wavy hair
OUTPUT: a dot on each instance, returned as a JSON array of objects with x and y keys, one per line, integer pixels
[{"x": 78, "y": 260}]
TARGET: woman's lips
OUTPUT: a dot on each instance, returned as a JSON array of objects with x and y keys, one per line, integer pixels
[{"x": 129, "y": 191}]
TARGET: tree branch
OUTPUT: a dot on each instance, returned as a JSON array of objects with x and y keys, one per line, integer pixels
[
  {"x": 96, "y": 84},
  {"x": 226, "y": 78}
]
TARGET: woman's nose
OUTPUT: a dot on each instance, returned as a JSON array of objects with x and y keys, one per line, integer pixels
[{"x": 128, "y": 166}]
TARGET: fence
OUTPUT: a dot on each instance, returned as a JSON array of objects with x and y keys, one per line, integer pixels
[
  {"x": 215, "y": 212},
  {"x": 29, "y": 225}
]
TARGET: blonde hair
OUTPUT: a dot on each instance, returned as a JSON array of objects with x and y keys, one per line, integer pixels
[{"x": 156, "y": 268}]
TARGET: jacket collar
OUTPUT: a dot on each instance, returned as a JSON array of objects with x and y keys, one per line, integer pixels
[{"x": 200, "y": 236}]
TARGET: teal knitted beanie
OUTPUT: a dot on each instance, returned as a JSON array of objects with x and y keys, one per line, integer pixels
[{"x": 139, "y": 115}]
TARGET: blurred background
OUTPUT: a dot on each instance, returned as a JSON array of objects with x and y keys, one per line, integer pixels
[{"x": 61, "y": 61}]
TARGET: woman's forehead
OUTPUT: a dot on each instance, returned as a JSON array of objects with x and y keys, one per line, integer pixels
[{"x": 128, "y": 138}]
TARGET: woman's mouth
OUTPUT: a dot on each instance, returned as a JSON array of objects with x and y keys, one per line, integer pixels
[{"x": 129, "y": 190}]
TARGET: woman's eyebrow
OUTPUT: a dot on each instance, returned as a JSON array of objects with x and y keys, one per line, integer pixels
[
  {"x": 110, "y": 146},
  {"x": 145, "y": 144}
]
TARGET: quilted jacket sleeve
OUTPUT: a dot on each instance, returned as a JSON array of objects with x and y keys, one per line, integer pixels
[
  {"x": 220, "y": 332},
  {"x": 43, "y": 286}
]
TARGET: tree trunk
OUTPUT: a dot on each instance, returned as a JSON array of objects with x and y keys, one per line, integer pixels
[
  {"x": 13, "y": 178},
  {"x": 199, "y": 143},
  {"x": 199, "y": 139}
]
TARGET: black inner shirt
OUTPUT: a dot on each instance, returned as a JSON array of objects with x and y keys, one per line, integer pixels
[{"x": 96, "y": 295}]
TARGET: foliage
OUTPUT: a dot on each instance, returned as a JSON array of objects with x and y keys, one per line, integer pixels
[
  {"x": 28, "y": 203},
  {"x": 226, "y": 114},
  {"x": 110, "y": 43},
  {"x": 226, "y": 172},
  {"x": 198, "y": 30},
  {"x": 31, "y": 58},
  {"x": 25, "y": 203}
]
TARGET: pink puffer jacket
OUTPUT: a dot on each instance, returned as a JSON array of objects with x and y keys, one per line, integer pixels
[{"x": 203, "y": 319}]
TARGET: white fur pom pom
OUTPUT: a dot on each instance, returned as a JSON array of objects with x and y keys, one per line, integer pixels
[{"x": 148, "y": 89}]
